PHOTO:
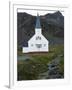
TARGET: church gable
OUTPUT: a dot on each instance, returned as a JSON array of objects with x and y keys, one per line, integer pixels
[{"x": 38, "y": 43}]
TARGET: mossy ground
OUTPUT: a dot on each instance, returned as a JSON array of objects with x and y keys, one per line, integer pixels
[{"x": 37, "y": 63}]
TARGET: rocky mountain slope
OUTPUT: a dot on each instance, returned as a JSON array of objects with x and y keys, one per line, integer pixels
[{"x": 52, "y": 27}]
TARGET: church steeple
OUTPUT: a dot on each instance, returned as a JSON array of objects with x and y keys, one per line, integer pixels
[
  {"x": 38, "y": 21},
  {"x": 38, "y": 25}
]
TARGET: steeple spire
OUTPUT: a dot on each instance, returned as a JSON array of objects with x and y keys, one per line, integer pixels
[{"x": 38, "y": 21}]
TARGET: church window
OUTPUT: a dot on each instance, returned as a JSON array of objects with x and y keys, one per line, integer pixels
[
  {"x": 38, "y": 45},
  {"x": 38, "y": 38},
  {"x": 44, "y": 45},
  {"x": 32, "y": 45}
]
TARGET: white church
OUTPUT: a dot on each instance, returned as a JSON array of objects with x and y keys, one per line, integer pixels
[{"x": 38, "y": 43}]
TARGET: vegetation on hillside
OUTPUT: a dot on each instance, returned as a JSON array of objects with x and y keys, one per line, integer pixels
[{"x": 31, "y": 68}]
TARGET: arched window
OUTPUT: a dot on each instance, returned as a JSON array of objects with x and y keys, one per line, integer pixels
[{"x": 38, "y": 38}]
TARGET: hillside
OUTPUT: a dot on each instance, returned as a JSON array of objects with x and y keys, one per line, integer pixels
[{"x": 52, "y": 27}]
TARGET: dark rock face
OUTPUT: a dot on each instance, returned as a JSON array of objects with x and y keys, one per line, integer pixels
[
  {"x": 25, "y": 28},
  {"x": 52, "y": 26},
  {"x": 53, "y": 69}
]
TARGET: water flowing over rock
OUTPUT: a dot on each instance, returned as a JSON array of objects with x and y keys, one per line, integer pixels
[{"x": 53, "y": 69}]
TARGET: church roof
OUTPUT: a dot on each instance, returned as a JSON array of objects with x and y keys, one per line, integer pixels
[{"x": 38, "y": 21}]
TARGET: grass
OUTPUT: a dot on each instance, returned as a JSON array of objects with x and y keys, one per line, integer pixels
[
  {"x": 31, "y": 68},
  {"x": 61, "y": 66}
]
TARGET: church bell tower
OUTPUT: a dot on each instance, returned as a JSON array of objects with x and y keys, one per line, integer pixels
[{"x": 38, "y": 25}]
